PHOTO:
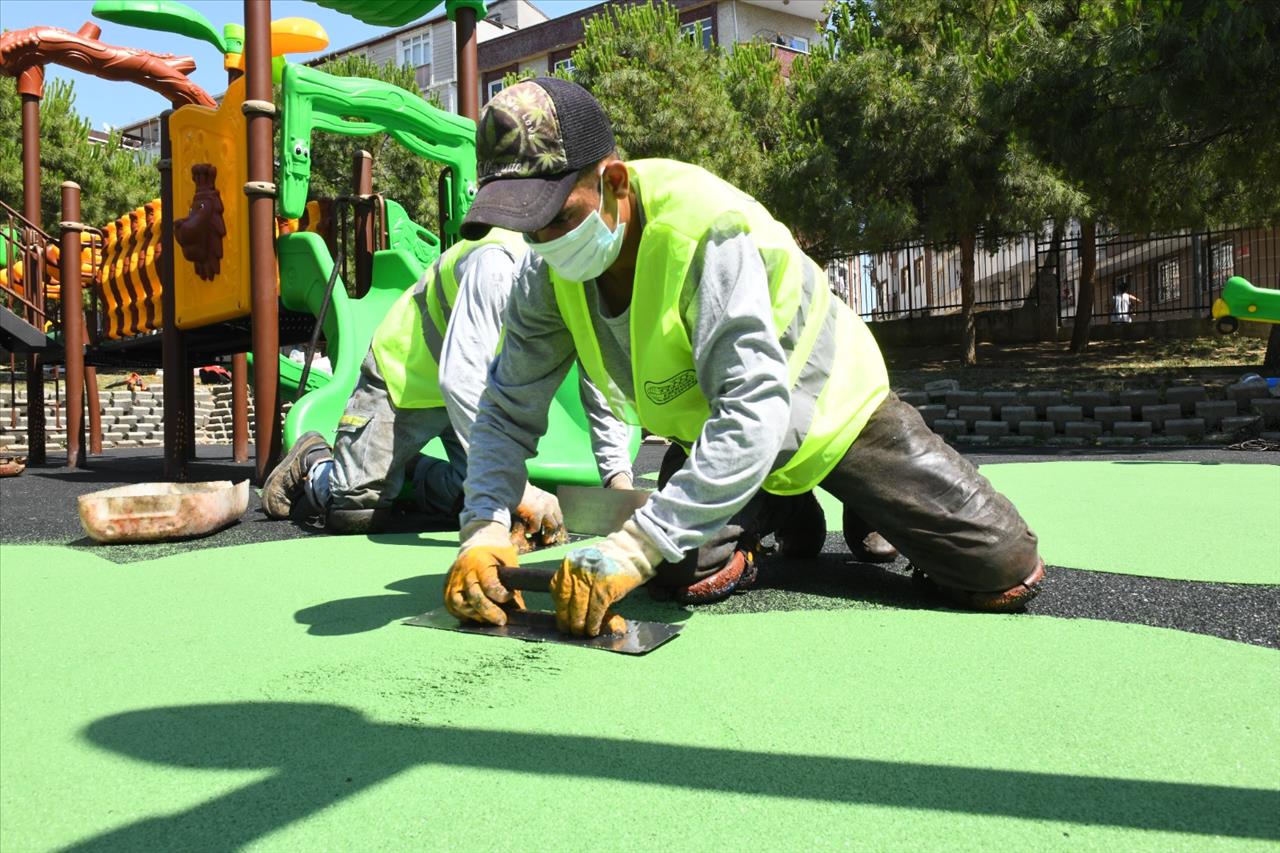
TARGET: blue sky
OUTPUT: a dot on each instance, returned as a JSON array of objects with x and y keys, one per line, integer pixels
[{"x": 107, "y": 102}]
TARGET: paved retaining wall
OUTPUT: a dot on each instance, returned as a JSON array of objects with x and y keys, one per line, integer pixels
[{"x": 1178, "y": 414}]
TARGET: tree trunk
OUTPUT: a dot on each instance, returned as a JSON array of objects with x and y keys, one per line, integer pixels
[
  {"x": 969, "y": 337},
  {"x": 1084, "y": 292},
  {"x": 1271, "y": 361}
]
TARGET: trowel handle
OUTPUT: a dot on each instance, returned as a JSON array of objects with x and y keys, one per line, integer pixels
[{"x": 533, "y": 580}]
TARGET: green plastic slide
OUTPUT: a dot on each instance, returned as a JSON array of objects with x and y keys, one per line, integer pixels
[{"x": 564, "y": 453}]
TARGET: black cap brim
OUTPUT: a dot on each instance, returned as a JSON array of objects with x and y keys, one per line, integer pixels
[{"x": 517, "y": 204}]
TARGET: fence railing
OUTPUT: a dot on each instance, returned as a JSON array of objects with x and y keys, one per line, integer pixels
[
  {"x": 24, "y": 251},
  {"x": 1164, "y": 276},
  {"x": 917, "y": 279},
  {"x": 1170, "y": 275}
]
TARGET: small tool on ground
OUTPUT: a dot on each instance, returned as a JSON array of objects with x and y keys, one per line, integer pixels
[{"x": 540, "y": 627}]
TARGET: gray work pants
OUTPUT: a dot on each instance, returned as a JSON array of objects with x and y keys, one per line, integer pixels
[{"x": 377, "y": 448}]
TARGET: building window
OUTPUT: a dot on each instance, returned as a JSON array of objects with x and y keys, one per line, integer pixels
[
  {"x": 1224, "y": 263},
  {"x": 494, "y": 87},
  {"x": 1168, "y": 282},
  {"x": 700, "y": 32},
  {"x": 799, "y": 44},
  {"x": 565, "y": 65},
  {"x": 416, "y": 50}
]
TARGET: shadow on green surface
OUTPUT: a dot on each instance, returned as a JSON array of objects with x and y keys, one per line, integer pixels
[
  {"x": 413, "y": 596},
  {"x": 325, "y": 753}
]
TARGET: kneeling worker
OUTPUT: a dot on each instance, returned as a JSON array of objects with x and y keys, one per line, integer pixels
[
  {"x": 696, "y": 312},
  {"x": 422, "y": 378}
]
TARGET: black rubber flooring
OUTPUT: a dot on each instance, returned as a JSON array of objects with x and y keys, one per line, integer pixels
[{"x": 39, "y": 507}]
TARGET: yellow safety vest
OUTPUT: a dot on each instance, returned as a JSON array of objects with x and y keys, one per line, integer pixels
[
  {"x": 406, "y": 349},
  {"x": 835, "y": 369}
]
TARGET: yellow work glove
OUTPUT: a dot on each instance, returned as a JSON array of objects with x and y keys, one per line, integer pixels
[
  {"x": 621, "y": 480},
  {"x": 537, "y": 521},
  {"x": 472, "y": 591},
  {"x": 591, "y": 579}
]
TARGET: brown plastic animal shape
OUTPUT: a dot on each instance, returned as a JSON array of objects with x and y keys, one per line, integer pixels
[{"x": 200, "y": 232}]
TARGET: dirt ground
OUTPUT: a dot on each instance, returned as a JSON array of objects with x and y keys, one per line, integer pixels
[{"x": 1213, "y": 360}]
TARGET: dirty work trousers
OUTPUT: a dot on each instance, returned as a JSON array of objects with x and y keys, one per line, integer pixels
[
  {"x": 377, "y": 449},
  {"x": 900, "y": 479}
]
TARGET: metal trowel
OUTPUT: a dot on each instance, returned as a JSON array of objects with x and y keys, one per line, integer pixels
[
  {"x": 536, "y": 626},
  {"x": 597, "y": 511}
]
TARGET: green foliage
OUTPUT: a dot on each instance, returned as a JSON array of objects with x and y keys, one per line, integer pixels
[
  {"x": 112, "y": 179},
  {"x": 1169, "y": 113},
  {"x": 907, "y": 101},
  {"x": 665, "y": 95},
  {"x": 397, "y": 173}
]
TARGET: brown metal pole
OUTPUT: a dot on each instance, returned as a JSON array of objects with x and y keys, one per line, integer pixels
[
  {"x": 262, "y": 258},
  {"x": 468, "y": 64},
  {"x": 362, "y": 185},
  {"x": 92, "y": 402},
  {"x": 172, "y": 348},
  {"x": 73, "y": 322},
  {"x": 239, "y": 375},
  {"x": 239, "y": 408},
  {"x": 95, "y": 410},
  {"x": 31, "y": 90}
]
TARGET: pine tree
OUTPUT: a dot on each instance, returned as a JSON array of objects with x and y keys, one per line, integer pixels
[
  {"x": 112, "y": 179},
  {"x": 664, "y": 94}
]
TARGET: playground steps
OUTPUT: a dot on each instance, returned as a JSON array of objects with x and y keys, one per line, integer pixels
[
  {"x": 129, "y": 418},
  {"x": 17, "y": 335}
]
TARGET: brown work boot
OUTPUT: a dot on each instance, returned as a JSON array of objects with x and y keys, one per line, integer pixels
[
  {"x": 872, "y": 548},
  {"x": 737, "y": 573},
  {"x": 866, "y": 545},
  {"x": 1013, "y": 599},
  {"x": 284, "y": 484}
]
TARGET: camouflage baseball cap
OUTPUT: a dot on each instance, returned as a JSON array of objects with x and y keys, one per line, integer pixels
[{"x": 532, "y": 140}]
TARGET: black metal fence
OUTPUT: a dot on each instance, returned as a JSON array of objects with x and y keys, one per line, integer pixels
[
  {"x": 918, "y": 279},
  {"x": 1165, "y": 276}
]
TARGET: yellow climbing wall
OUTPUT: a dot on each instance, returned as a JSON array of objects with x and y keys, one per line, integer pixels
[{"x": 217, "y": 137}]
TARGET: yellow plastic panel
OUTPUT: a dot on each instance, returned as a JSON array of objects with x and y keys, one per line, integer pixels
[
  {"x": 217, "y": 137},
  {"x": 130, "y": 284}
]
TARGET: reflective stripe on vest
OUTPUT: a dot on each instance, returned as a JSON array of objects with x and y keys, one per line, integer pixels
[
  {"x": 406, "y": 348},
  {"x": 836, "y": 373}
]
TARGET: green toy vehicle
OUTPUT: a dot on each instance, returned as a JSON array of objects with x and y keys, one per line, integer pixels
[{"x": 1241, "y": 300}]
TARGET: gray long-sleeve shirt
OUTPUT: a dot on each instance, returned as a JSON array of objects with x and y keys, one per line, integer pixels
[
  {"x": 485, "y": 279},
  {"x": 741, "y": 370}
]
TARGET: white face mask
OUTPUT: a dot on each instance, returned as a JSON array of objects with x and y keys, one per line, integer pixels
[{"x": 586, "y": 251}]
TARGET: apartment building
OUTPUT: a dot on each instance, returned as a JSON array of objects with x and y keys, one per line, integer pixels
[
  {"x": 430, "y": 47},
  {"x": 789, "y": 25},
  {"x": 517, "y": 35}
]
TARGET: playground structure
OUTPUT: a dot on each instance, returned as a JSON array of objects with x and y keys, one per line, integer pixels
[
  {"x": 1240, "y": 300},
  {"x": 208, "y": 269}
]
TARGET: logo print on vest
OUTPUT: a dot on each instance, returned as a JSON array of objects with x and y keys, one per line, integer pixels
[{"x": 661, "y": 393}]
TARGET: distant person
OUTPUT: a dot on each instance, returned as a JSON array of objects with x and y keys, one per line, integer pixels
[{"x": 1122, "y": 305}]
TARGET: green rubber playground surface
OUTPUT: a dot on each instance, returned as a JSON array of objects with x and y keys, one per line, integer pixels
[
  {"x": 1184, "y": 521},
  {"x": 266, "y": 697}
]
